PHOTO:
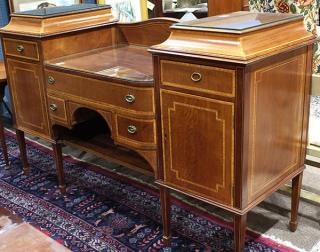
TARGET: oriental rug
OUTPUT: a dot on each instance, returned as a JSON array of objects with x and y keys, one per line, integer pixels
[{"x": 104, "y": 211}]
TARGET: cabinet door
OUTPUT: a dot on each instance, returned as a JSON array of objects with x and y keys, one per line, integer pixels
[
  {"x": 28, "y": 97},
  {"x": 198, "y": 145}
]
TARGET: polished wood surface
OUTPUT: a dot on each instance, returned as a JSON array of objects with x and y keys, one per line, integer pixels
[
  {"x": 165, "y": 214},
  {"x": 53, "y": 25},
  {"x": 97, "y": 78},
  {"x": 132, "y": 63},
  {"x": 28, "y": 94},
  {"x": 143, "y": 33},
  {"x": 295, "y": 197},
  {"x": 21, "y": 49},
  {"x": 217, "y": 7},
  {"x": 245, "y": 5},
  {"x": 208, "y": 170},
  {"x": 197, "y": 77},
  {"x": 207, "y": 113},
  {"x": 68, "y": 44},
  {"x": 274, "y": 144},
  {"x": 240, "y": 226},
  {"x": 135, "y": 132},
  {"x": 57, "y": 151},
  {"x": 105, "y": 94},
  {"x": 231, "y": 145},
  {"x": 23, "y": 151},
  {"x": 57, "y": 109},
  {"x": 226, "y": 45}
]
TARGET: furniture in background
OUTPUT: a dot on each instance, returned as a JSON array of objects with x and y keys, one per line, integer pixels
[
  {"x": 212, "y": 7},
  {"x": 223, "y": 131},
  {"x": 3, "y": 84},
  {"x": 196, "y": 114}
]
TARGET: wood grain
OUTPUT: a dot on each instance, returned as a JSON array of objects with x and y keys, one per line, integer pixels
[
  {"x": 53, "y": 25},
  {"x": 198, "y": 145}
]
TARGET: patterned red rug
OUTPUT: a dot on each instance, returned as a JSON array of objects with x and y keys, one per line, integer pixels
[{"x": 107, "y": 212}]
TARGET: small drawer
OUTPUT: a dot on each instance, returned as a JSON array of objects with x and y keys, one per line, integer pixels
[
  {"x": 135, "y": 132},
  {"x": 218, "y": 81},
  {"x": 21, "y": 48},
  {"x": 57, "y": 109}
]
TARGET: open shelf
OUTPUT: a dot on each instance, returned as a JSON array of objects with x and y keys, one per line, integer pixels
[{"x": 93, "y": 136}]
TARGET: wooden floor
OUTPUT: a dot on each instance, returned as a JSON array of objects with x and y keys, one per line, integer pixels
[{"x": 17, "y": 236}]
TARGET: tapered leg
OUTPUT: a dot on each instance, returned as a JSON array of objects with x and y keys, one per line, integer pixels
[
  {"x": 240, "y": 226},
  {"x": 165, "y": 210},
  {"x": 23, "y": 151},
  {"x": 59, "y": 166},
  {"x": 295, "y": 198},
  {"x": 3, "y": 145}
]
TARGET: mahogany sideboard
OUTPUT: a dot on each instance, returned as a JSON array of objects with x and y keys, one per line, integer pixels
[{"x": 217, "y": 109}]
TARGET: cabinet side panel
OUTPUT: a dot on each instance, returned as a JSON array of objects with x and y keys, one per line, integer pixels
[{"x": 275, "y": 122}]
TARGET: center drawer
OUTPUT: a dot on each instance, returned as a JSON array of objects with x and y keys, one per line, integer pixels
[{"x": 137, "y": 100}]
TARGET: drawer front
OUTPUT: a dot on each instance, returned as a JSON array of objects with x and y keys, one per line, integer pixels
[
  {"x": 135, "y": 132},
  {"x": 57, "y": 109},
  {"x": 21, "y": 48},
  {"x": 135, "y": 100},
  {"x": 213, "y": 80}
]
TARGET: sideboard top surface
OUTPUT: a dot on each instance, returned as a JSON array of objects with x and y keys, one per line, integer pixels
[
  {"x": 238, "y": 22},
  {"x": 240, "y": 37},
  {"x": 58, "y": 20}
]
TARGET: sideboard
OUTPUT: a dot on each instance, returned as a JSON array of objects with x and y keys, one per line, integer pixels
[{"x": 216, "y": 108}]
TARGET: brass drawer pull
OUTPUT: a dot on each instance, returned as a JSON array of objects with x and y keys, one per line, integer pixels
[
  {"x": 53, "y": 107},
  {"x": 130, "y": 98},
  {"x": 132, "y": 129},
  {"x": 51, "y": 80},
  {"x": 196, "y": 77},
  {"x": 20, "y": 48}
]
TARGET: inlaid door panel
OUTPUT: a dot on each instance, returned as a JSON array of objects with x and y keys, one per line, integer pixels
[
  {"x": 198, "y": 145},
  {"x": 28, "y": 96}
]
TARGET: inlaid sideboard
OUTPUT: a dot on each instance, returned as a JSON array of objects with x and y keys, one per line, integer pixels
[{"x": 215, "y": 108}]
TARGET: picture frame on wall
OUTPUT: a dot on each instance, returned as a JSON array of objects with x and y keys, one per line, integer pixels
[
  {"x": 26, "y": 5},
  {"x": 128, "y": 11}
]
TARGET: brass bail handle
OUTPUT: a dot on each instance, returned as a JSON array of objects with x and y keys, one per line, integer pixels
[
  {"x": 129, "y": 98},
  {"x": 132, "y": 129},
  {"x": 53, "y": 107},
  {"x": 196, "y": 77},
  {"x": 51, "y": 80},
  {"x": 20, "y": 48}
]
